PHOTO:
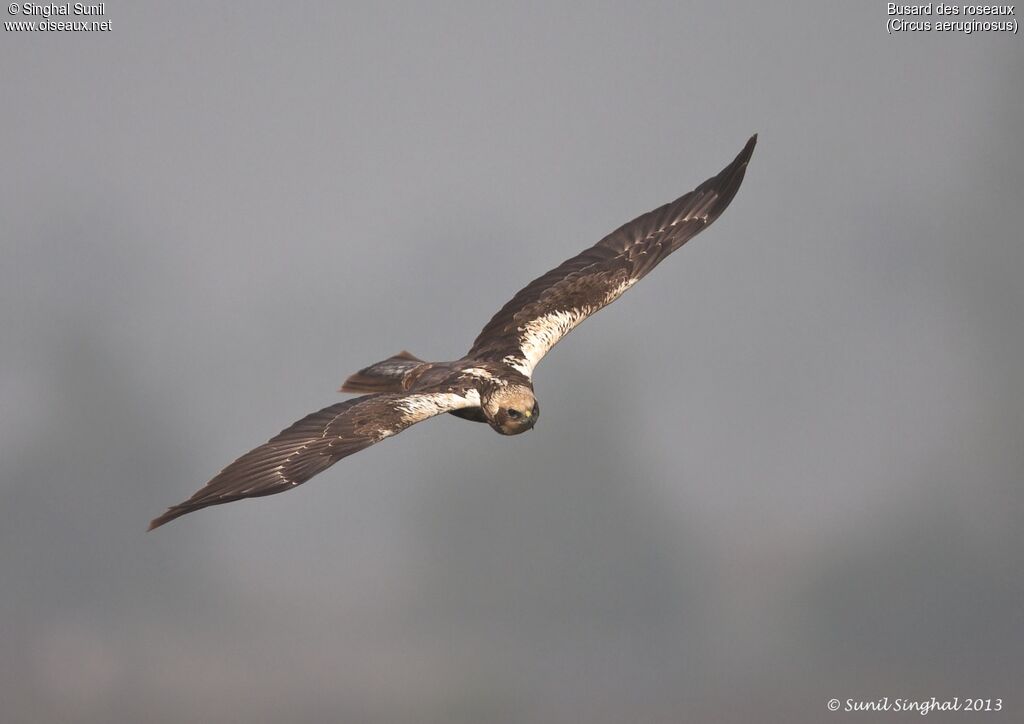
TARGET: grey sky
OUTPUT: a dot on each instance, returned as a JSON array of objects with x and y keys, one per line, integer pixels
[{"x": 784, "y": 468}]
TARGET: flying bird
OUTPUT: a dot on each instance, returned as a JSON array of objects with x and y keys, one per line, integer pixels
[{"x": 493, "y": 382}]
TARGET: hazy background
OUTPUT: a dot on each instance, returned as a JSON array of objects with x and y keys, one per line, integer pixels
[{"x": 785, "y": 468}]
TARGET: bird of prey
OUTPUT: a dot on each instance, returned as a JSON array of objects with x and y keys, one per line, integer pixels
[{"x": 493, "y": 382}]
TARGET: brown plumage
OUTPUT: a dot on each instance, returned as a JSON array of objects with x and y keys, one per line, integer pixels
[
  {"x": 390, "y": 375},
  {"x": 493, "y": 382},
  {"x": 308, "y": 447},
  {"x": 597, "y": 276}
]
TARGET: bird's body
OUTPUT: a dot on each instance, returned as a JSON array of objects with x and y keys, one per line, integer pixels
[
  {"x": 491, "y": 385},
  {"x": 493, "y": 382}
]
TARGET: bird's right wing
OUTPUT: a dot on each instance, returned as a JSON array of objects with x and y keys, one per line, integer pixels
[
  {"x": 551, "y": 306},
  {"x": 316, "y": 442}
]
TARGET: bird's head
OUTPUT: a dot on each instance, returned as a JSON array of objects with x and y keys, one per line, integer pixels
[{"x": 511, "y": 410}]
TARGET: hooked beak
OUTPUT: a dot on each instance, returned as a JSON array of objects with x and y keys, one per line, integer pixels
[{"x": 533, "y": 414}]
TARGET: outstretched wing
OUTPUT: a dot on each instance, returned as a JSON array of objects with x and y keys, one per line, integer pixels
[
  {"x": 548, "y": 308},
  {"x": 316, "y": 442}
]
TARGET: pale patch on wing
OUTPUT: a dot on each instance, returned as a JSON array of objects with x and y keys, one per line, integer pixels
[
  {"x": 480, "y": 373},
  {"x": 415, "y": 408},
  {"x": 517, "y": 363},
  {"x": 539, "y": 335}
]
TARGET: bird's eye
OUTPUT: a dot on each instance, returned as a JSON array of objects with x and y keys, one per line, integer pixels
[{"x": 514, "y": 414}]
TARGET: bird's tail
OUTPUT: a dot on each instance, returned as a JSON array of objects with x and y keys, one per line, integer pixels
[{"x": 390, "y": 375}]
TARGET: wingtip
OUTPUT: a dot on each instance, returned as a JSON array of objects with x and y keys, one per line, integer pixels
[
  {"x": 728, "y": 181},
  {"x": 748, "y": 150},
  {"x": 167, "y": 517},
  {"x": 732, "y": 175}
]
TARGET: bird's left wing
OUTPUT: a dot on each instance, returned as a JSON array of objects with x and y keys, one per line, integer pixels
[
  {"x": 551, "y": 306},
  {"x": 316, "y": 442}
]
